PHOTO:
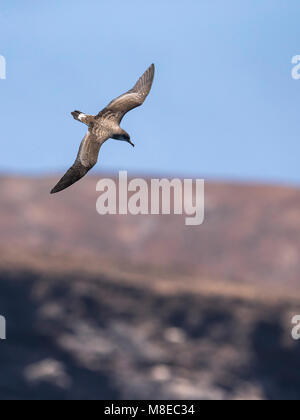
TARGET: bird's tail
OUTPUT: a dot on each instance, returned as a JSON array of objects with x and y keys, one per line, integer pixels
[
  {"x": 77, "y": 114},
  {"x": 82, "y": 117}
]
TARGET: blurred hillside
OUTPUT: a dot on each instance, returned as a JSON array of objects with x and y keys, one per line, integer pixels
[
  {"x": 145, "y": 307},
  {"x": 251, "y": 233}
]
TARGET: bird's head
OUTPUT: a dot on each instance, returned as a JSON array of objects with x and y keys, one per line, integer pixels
[{"x": 123, "y": 137}]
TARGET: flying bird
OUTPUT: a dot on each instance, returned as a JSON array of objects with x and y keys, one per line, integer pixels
[{"x": 104, "y": 126}]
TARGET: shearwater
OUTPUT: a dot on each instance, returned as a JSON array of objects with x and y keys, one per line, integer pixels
[{"x": 104, "y": 126}]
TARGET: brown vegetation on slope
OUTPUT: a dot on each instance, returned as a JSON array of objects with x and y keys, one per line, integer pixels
[{"x": 145, "y": 307}]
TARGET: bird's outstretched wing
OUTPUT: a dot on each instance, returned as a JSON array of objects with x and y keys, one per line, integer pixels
[
  {"x": 85, "y": 161},
  {"x": 131, "y": 99}
]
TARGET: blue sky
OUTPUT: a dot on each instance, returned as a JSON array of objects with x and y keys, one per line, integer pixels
[{"x": 223, "y": 105}]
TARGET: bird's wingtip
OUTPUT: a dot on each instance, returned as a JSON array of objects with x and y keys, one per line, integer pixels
[
  {"x": 153, "y": 69},
  {"x": 54, "y": 190}
]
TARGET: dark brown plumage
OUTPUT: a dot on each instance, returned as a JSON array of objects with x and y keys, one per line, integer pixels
[{"x": 103, "y": 126}]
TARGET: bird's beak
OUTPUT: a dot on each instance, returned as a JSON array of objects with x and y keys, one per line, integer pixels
[{"x": 130, "y": 142}]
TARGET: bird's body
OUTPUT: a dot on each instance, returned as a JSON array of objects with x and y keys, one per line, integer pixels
[{"x": 104, "y": 126}]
